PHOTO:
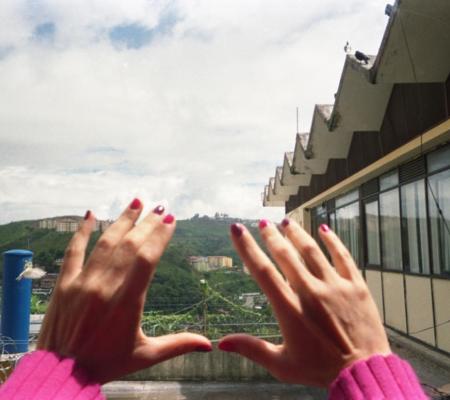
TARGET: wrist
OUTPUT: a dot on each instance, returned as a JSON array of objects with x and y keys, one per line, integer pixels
[
  {"x": 43, "y": 375},
  {"x": 379, "y": 376}
]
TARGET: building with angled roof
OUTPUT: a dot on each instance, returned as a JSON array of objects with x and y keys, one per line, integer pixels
[{"x": 375, "y": 166}]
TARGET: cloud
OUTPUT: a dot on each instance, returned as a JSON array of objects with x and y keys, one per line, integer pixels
[
  {"x": 45, "y": 32},
  {"x": 206, "y": 102}
]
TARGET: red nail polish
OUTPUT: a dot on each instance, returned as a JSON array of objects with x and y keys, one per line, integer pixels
[
  {"x": 168, "y": 219},
  {"x": 285, "y": 223},
  {"x": 204, "y": 348},
  {"x": 263, "y": 223},
  {"x": 324, "y": 228},
  {"x": 226, "y": 346},
  {"x": 158, "y": 210},
  {"x": 236, "y": 230},
  {"x": 135, "y": 204},
  {"x": 87, "y": 215}
]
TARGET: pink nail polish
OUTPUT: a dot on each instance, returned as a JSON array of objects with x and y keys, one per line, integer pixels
[
  {"x": 168, "y": 219},
  {"x": 204, "y": 348},
  {"x": 285, "y": 223},
  {"x": 135, "y": 204},
  {"x": 158, "y": 210},
  {"x": 324, "y": 228},
  {"x": 226, "y": 346},
  {"x": 236, "y": 230},
  {"x": 263, "y": 223},
  {"x": 87, "y": 215}
]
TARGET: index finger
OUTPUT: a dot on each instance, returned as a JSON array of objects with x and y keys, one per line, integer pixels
[
  {"x": 76, "y": 249},
  {"x": 263, "y": 271}
]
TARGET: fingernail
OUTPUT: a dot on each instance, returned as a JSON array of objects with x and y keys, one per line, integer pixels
[
  {"x": 263, "y": 223},
  {"x": 168, "y": 219},
  {"x": 324, "y": 228},
  {"x": 285, "y": 223},
  {"x": 204, "y": 348},
  {"x": 87, "y": 215},
  {"x": 226, "y": 346},
  {"x": 236, "y": 230},
  {"x": 158, "y": 210},
  {"x": 135, "y": 204}
]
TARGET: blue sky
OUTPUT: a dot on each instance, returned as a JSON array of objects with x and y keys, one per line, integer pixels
[{"x": 186, "y": 103}]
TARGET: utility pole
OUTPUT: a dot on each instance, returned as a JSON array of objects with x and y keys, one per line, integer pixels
[{"x": 204, "y": 286}]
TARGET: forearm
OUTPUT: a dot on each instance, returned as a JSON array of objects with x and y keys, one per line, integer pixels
[
  {"x": 377, "y": 378},
  {"x": 43, "y": 375}
]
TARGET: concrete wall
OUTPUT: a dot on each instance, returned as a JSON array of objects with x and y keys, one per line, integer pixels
[
  {"x": 214, "y": 366},
  {"x": 420, "y": 308},
  {"x": 394, "y": 301},
  {"x": 442, "y": 312},
  {"x": 374, "y": 281}
]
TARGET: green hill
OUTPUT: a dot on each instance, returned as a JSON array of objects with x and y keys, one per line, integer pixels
[{"x": 175, "y": 283}]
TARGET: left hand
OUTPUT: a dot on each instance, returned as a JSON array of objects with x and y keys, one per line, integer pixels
[{"x": 95, "y": 311}]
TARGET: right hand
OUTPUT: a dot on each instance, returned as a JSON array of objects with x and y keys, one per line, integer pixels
[{"x": 327, "y": 316}]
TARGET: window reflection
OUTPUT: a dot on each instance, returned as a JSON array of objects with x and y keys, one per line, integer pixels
[
  {"x": 372, "y": 233},
  {"x": 347, "y": 228},
  {"x": 414, "y": 226},
  {"x": 439, "y": 211},
  {"x": 391, "y": 245}
]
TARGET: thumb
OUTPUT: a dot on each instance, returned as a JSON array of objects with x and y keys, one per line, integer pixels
[
  {"x": 162, "y": 348},
  {"x": 260, "y": 351}
]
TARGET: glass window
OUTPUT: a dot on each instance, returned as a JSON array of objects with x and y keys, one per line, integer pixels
[
  {"x": 439, "y": 159},
  {"x": 333, "y": 221},
  {"x": 389, "y": 180},
  {"x": 414, "y": 227},
  {"x": 347, "y": 221},
  {"x": 372, "y": 233},
  {"x": 347, "y": 198},
  {"x": 391, "y": 244},
  {"x": 320, "y": 210},
  {"x": 439, "y": 210},
  {"x": 319, "y": 219}
]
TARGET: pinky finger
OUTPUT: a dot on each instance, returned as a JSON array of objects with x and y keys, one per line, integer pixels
[
  {"x": 340, "y": 255},
  {"x": 76, "y": 249}
]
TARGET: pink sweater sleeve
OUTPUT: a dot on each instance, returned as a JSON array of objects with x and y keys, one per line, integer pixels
[
  {"x": 42, "y": 375},
  {"x": 377, "y": 378}
]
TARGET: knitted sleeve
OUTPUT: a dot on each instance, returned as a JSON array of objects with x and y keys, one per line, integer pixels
[
  {"x": 42, "y": 375},
  {"x": 377, "y": 378}
]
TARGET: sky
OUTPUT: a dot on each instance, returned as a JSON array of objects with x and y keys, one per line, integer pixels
[{"x": 186, "y": 103}]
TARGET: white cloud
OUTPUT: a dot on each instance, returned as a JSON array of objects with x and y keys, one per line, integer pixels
[{"x": 201, "y": 117}]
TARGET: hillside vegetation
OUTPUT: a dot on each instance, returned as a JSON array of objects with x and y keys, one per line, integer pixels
[{"x": 175, "y": 283}]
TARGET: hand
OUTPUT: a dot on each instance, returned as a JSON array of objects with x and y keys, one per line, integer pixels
[
  {"x": 95, "y": 311},
  {"x": 327, "y": 316}
]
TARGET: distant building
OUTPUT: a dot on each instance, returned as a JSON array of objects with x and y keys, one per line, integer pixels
[
  {"x": 220, "y": 262},
  {"x": 210, "y": 263},
  {"x": 200, "y": 264},
  {"x": 69, "y": 224},
  {"x": 252, "y": 300},
  {"x": 375, "y": 167}
]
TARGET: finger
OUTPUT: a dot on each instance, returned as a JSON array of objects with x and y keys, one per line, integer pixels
[
  {"x": 140, "y": 233},
  {"x": 263, "y": 271},
  {"x": 341, "y": 257},
  {"x": 147, "y": 257},
  {"x": 76, "y": 249},
  {"x": 113, "y": 235},
  {"x": 309, "y": 250},
  {"x": 260, "y": 351},
  {"x": 133, "y": 241},
  {"x": 162, "y": 348},
  {"x": 286, "y": 257}
]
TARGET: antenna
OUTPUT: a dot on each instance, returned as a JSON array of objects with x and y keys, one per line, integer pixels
[{"x": 297, "y": 120}]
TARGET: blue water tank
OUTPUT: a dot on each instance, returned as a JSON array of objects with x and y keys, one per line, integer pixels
[{"x": 16, "y": 302}]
